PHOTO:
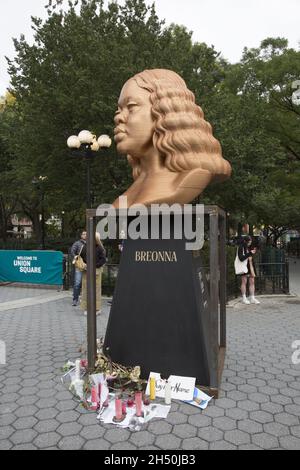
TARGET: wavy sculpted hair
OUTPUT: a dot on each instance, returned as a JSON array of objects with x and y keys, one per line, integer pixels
[{"x": 181, "y": 134}]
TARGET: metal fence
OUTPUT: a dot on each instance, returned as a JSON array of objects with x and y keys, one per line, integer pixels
[{"x": 272, "y": 278}]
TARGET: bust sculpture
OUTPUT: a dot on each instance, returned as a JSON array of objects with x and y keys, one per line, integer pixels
[{"x": 169, "y": 145}]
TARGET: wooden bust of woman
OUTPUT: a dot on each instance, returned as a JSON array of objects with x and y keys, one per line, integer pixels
[{"x": 169, "y": 145}]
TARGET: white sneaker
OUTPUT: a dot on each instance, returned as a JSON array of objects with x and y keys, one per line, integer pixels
[
  {"x": 85, "y": 313},
  {"x": 253, "y": 300},
  {"x": 245, "y": 301},
  {"x": 98, "y": 312}
]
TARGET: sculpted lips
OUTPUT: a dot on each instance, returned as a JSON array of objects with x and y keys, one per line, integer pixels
[{"x": 119, "y": 134}]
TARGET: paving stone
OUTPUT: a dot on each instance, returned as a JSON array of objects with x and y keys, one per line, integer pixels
[
  {"x": 290, "y": 443},
  {"x": 71, "y": 443},
  {"x": 237, "y": 396},
  {"x": 96, "y": 444},
  {"x": 295, "y": 430},
  {"x": 24, "y": 423},
  {"x": 6, "y": 420},
  {"x": 123, "y": 446},
  {"x": 69, "y": 429},
  {"x": 261, "y": 417},
  {"x": 23, "y": 437},
  {"x": 25, "y": 411},
  {"x": 177, "y": 418},
  {"x": 185, "y": 430},
  {"x": 6, "y": 432},
  {"x": 194, "y": 443},
  {"x": 237, "y": 413},
  {"x": 281, "y": 399},
  {"x": 276, "y": 429},
  {"x": 248, "y": 405},
  {"x": 88, "y": 419},
  {"x": 168, "y": 442},
  {"x": 224, "y": 423},
  {"x": 117, "y": 435},
  {"x": 272, "y": 408},
  {"x": 200, "y": 421},
  {"x": 160, "y": 427},
  {"x": 222, "y": 445},
  {"x": 249, "y": 426},
  {"x": 237, "y": 437},
  {"x": 213, "y": 412},
  {"x": 266, "y": 441},
  {"x": 142, "y": 438},
  {"x": 293, "y": 410},
  {"x": 67, "y": 417},
  {"x": 286, "y": 418},
  {"x": 250, "y": 447},
  {"x": 210, "y": 434},
  {"x": 66, "y": 405},
  {"x": 46, "y": 414},
  {"x": 5, "y": 445},
  {"x": 246, "y": 388},
  {"x": 226, "y": 403},
  {"x": 92, "y": 432}
]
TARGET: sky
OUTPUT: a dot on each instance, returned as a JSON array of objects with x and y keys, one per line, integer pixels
[{"x": 229, "y": 25}]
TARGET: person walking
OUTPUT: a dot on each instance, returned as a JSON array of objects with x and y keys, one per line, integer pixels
[
  {"x": 100, "y": 262},
  {"x": 245, "y": 267},
  {"x": 76, "y": 249}
]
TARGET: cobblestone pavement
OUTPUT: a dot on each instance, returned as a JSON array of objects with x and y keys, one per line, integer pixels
[{"x": 259, "y": 406}]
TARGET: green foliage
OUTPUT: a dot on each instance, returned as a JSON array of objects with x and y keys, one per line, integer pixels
[{"x": 70, "y": 80}]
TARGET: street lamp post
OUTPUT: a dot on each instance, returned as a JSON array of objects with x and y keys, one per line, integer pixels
[
  {"x": 39, "y": 184},
  {"x": 88, "y": 145}
]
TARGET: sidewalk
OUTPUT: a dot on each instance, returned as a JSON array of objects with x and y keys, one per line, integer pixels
[{"x": 260, "y": 400}]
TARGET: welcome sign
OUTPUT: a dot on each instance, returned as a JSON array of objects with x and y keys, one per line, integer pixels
[{"x": 31, "y": 267}]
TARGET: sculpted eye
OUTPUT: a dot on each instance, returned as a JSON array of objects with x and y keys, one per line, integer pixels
[{"x": 131, "y": 106}]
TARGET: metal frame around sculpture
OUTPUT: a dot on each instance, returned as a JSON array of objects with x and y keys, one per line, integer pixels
[{"x": 217, "y": 218}]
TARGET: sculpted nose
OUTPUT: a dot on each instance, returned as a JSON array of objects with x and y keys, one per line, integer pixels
[{"x": 119, "y": 118}]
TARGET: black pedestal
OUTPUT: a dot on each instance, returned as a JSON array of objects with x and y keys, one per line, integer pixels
[{"x": 160, "y": 313}]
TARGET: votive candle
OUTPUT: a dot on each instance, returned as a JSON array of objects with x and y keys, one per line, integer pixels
[
  {"x": 168, "y": 393},
  {"x": 95, "y": 398},
  {"x": 118, "y": 408},
  {"x": 152, "y": 388},
  {"x": 138, "y": 403}
]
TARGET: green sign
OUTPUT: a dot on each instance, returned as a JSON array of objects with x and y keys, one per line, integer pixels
[{"x": 31, "y": 267}]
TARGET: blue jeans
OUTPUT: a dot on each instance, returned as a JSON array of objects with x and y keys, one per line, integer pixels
[{"x": 77, "y": 285}]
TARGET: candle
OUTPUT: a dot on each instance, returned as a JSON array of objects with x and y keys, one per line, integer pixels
[
  {"x": 168, "y": 393},
  {"x": 95, "y": 398},
  {"x": 118, "y": 409},
  {"x": 77, "y": 369},
  {"x": 130, "y": 402},
  {"x": 138, "y": 403},
  {"x": 152, "y": 388}
]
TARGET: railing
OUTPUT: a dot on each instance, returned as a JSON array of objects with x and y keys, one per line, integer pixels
[{"x": 272, "y": 278}]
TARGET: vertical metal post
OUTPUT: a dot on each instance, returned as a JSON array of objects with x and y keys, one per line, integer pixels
[
  {"x": 223, "y": 281},
  {"x": 91, "y": 293},
  {"x": 88, "y": 181},
  {"x": 214, "y": 295},
  {"x": 287, "y": 278}
]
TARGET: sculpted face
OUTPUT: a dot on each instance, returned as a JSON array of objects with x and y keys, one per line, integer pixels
[{"x": 134, "y": 124}]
